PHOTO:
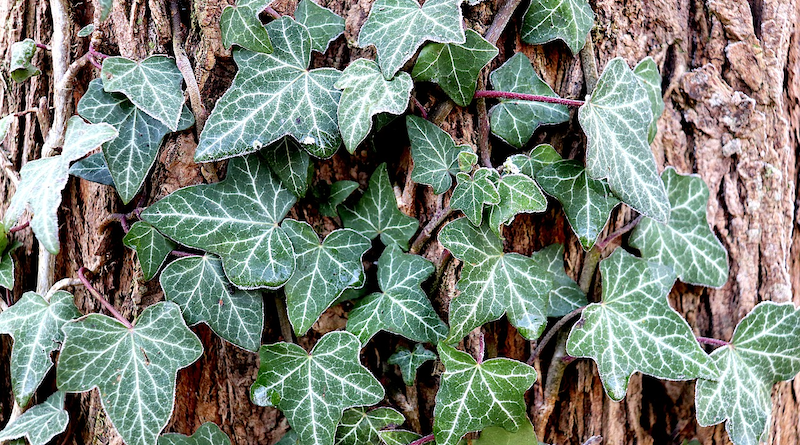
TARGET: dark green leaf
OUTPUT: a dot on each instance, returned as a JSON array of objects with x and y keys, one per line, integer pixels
[{"x": 151, "y": 247}]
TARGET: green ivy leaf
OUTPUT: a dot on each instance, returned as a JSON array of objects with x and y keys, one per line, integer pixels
[
  {"x": 494, "y": 435},
  {"x": 241, "y": 26},
  {"x": 43, "y": 180},
  {"x": 472, "y": 192},
  {"x": 86, "y": 31},
  {"x": 35, "y": 325},
  {"x": 402, "y": 307},
  {"x": 410, "y": 361},
  {"x": 272, "y": 96},
  {"x": 455, "y": 66},
  {"x": 338, "y": 192},
  {"x": 153, "y": 85},
  {"x": 377, "y": 214},
  {"x": 133, "y": 369},
  {"x": 615, "y": 119},
  {"x": 531, "y": 164},
  {"x": 435, "y": 154},
  {"x": 105, "y": 8},
  {"x": 765, "y": 349},
  {"x": 514, "y": 121},
  {"x": 198, "y": 285},
  {"x": 397, "y": 28},
  {"x": 635, "y": 329},
  {"x": 236, "y": 219},
  {"x": 290, "y": 438},
  {"x": 41, "y": 423},
  {"x": 366, "y": 93},
  {"x": 567, "y": 20},
  {"x": 360, "y": 426},
  {"x": 518, "y": 194},
  {"x": 323, "y": 25},
  {"x": 7, "y": 265},
  {"x": 474, "y": 396},
  {"x": 686, "y": 243},
  {"x": 5, "y": 125},
  {"x": 208, "y": 434},
  {"x": 151, "y": 247},
  {"x": 467, "y": 160},
  {"x": 566, "y": 295},
  {"x": 324, "y": 270},
  {"x": 291, "y": 164},
  {"x": 647, "y": 73},
  {"x": 22, "y": 53},
  {"x": 493, "y": 283},
  {"x": 93, "y": 168},
  {"x": 312, "y": 390}
]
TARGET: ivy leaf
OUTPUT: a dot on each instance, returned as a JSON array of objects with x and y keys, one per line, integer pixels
[
  {"x": 455, "y": 66},
  {"x": 324, "y": 270},
  {"x": 272, "y": 96},
  {"x": 473, "y": 192},
  {"x": 22, "y": 53},
  {"x": 360, "y": 426},
  {"x": 473, "y": 396},
  {"x": 151, "y": 247},
  {"x": 338, "y": 192},
  {"x": 87, "y": 30},
  {"x": 566, "y": 295},
  {"x": 567, "y": 20},
  {"x": 398, "y": 437},
  {"x": 5, "y": 125},
  {"x": 43, "y": 180},
  {"x": 236, "y": 219},
  {"x": 377, "y": 214},
  {"x": 493, "y": 283},
  {"x": 514, "y": 121},
  {"x": 494, "y": 435},
  {"x": 615, "y": 119},
  {"x": 366, "y": 93},
  {"x": 7, "y": 266},
  {"x": 647, "y": 73},
  {"x": 133, "y": 369},
  {"x": 290, "y": 438},
  {"x": 35, "y": 325},
  {"x": 312, "y": 390},
  {"x": 241, "y": 26},
  {"x": 518, "y": 194},
  {"x": 686, "y": 243},
  {"x": 635, "y": 329},
  {"x": 153, "y": 85},
  {"x": 467, "y": 160},
  {"x": 402, "y": 307},
  {"x": 323, "y": 25},
  {"x": 208, "y": 434},
  {"x": 531, "y": 164},
  {"x": 765, "y": 349},
  {"x": 105, "y": 8},
  {"x": 93, "y": 168},
  {"x": 41, "y": 423},
  {"x": 410, "y": 361},
  {"x": 291, "y": 164},
  {"x": 435, "y": 154},
  {"x": 198, "y": 285},
  {"x": 397, "y": 28}
]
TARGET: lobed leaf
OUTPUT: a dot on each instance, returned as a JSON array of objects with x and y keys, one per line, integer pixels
[
  {"x": 152, "y": 248},
  {"x": 565, "y": 295},
  {"x": 360, "y": 426},
  {"x": 434, "y": 153},
  {"x": 472, "y": 192},
  {"x": 567, "y": 20},
  {"x": 41, "y": 423},
  {"x": 208, "y": 434},
  {"x": 93, "y": 168},
  {"x": 338, "y": 192},
  {"x": 291, "y": 164},
  {"x": 323, "y": 25},
  {"x": 410, "y": 361},
  {"x": 518, "y": 194},
  {"x": 240, "y": 25}
]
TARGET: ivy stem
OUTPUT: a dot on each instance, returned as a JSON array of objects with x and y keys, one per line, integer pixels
[
  {"x": 552, "y": 332},
  {"x": 272, "y": 13},
  {"x": 423, "y": 440},
  {"x": 419, "y": 106},
  {"x": 484, "y": 128},
  {"x": 24, "y": 112},
  {"x": 427, "y": 231},
  {"x": 283, "y": 319},
  {"x": 618, "y": 233},
  {"x": 19, "y": 227},
  {"x": 589, "y": 65},
  {"x": 491, "y": 94},
  {"x": 82, "y": 276},
  {"x": 183, "y": 254},
  {"x": 185, "y": 67},
  {"x": 501, "y": 20},
  {"x": 61, "y": 285},
  {"x": 43, "y": 46},
  {"x": 481, "y": 347},
  {"x": 712, "y": 341}
]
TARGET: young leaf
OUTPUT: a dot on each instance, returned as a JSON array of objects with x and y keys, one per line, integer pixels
[
  {"x": 133, "y": 369},
  {"x": 151, "y": 247},
  {"x": 41, "y": 423},
  {"x": 272, "y": 96},
  {"x": 514, "y": 121},
  {"x": 93, "y": 168},
  {"x": 531, "y": 164},
  {"x": 360, "y": 426},
  {"x": 467, "y": 160},
  {"x": 566, "y": 295},
  {"x": 324, "y": 270},
  {"x": 241, "y": 26},
  {"x": 7, "y": 266},
  {"x": 198, "y": 285},
  {"x": 236, "y": 219},
  {"x": 435, "y": 154},
  {"x": 5, "y": 125},
  {"x": 410, "y": 361},
  {"x": 366, "y": 93},
  {"x": 635, "y": 329},
  {"x": 338, "y": 192},
  {"x": 323, "y": 25},
  {"x": 765, "y": 349},
  {"x": 104, "y": 6},
  {"x": 455, "y": 66},
  {"x": 398, "y": 27},
  {"x": 647, "y": 73},
  {"x": 615, "y": 119},
  {"x": 494, "y": 435},
  {"x": 291, "y": 164},
  {"x": 312, "y": 390},
  {"x": 398, "y": 437},
  {"x": 22, "y": 53},
  {"x": 548, "y": 20},
  {"x": 377, "y": 214},
  {"x": 474, "y": 396},
  {"x": 35, "y": 325},
  {"x": 493, "y": 283},
  {"x": 473, "y": 192},
  {"x": 208, "y": 434},
  {"x": 402, "y": 307},
  {"x": 86, "y": 31},
  {"x": 518, "y": 194},
  {"x": 153, "y": 85}
]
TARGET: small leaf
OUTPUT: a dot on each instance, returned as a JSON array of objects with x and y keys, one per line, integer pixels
[
  {"x": 93, "y": 168},
  {"x": 360, "y": 426},
  {"x": 291, "y": 164},
  {"x": 398, "y": 437},
  {"x": 474, "y": 396},
  {"x": 22, "y": 53},
  {"x": 531, "y": 164},
  {"x": 567, "y": 20},
  {"x": 366, "y": 93},
  {"x": 151, "y": 247},
  {"x": 312, "y": 390},
  {"x": 435, "y": 154},
  {"x": 208, "y": 434},
  {"x": 455, "y": 66},
  {"x": 41, "y": 423},
  {"x": 494, "y": 435},
  {"x": 635, "y": 329},
  {"x": 472, "y": 193},
  {"x": 241, "y": 26},
  {"x": 397, "y": 28},
  {"x": 566, "y": 295},
  {"x": 518, "y": 194},
  {"x": 467, "y": 160},
  {"x": 105, "y": 8},
  {"x": 198, "y": 285},
  {"x": 410, "y": 361},
  {"x": 323, "y": 25},
  {"x": 290, "y": 438},
  {"x": 86, "y": 31},
  {"x": 338, "y": 192},
  {"x": 647, "y": 73},
  {"x": 7, "y": 266},
  {"x": 5, "y": 125}
]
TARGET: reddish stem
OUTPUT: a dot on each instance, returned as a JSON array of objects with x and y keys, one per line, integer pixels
[
  {"x": 182, "y": 254},
  {"x": 95, "y": 53},
  {"x": 272, "y": 13},
  {"x": 419, "y": 106},
  {"x": 712, "y": 341},
  {"x": 82, "y": 276},
  {"x": 42, "y": 46},
  {"x": 19, "y": 227},
  {"x": 491, "y": 94},
  {"x": 423, "y": 440},
  {"x": 618, "y": 233},
  {"x": 123, "y": 220},
  {"x": 552, "y": 332}
]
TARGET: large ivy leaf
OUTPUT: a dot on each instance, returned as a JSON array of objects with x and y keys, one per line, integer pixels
[
  {"x": 366, "y": 93},
  {"x": 324, "y": 270},
  {"x": 377, "y": 214},
  {"x": 402, "y": 307},
  {"x": 291, "y": 164},
  {"x": 236, "y": 219},
  {"x": 21, "y": 68},
  {"x": 208, "y": 434},
  {"x": 765, "y": 349},
  {"x": 518, "y": 194},
  {"x": 647, "y": 73},
  {"x": 152, "y": 248},
  {"x": 93, "y": 168},
  {"x": 493, "y": 283},
  {"x": 472, "y": 192},
  {"x": 41, "y": 423},
  {"x": 512, "y": 120},
  {"x": 241, "y": 26},
  {"x": 312, "y": 390},
  {"x": 434, "y": 152},
  {"x": 199, "y": 287},
  {"x": 455, "y": 66},
  {"x": 686, "y": 243},
  {"x": 43, "y": 180},
  {"x": 323, "y": 25},
  {"x": 272, "y": 96},
  {"x": 565, "y": 295},
  {"x": 548, "y": 20},
  {"x": 398, "y": 27},
  {"x": 360, "y": 426},
  {"x": 635, "y": 329},
  {"x": 473, "y": 396},
  {"x": 410, "y": 361},
  {"x": 616, "y": 118},
  {"x": 35, "y": 325},
  {"x": 133, "y": 369}
]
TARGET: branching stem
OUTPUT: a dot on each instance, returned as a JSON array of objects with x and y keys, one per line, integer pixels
[
  {"x": 427, "y": 231},
  {"x": 618, "y": 233},
  {"x": 491, "y": 94},
  {"x": 552, "y": 332}
]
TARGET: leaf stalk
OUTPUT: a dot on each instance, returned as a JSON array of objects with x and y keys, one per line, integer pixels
[
  {"x": 491, "y": 94},
  {"x": 82, "y": 276}
]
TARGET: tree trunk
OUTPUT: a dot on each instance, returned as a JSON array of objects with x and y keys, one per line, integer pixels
[{"x": 731, "y": 82}]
